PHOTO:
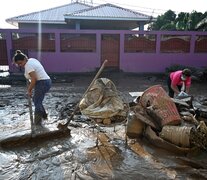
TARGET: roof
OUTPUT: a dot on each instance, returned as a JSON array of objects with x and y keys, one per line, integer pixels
[
  {"x": 108, "y": 12},
  {"x": 81, "y": 11},
  {"x": 52, "y": 15}
]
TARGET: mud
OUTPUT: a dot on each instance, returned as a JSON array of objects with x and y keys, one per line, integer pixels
[{"x": 92, "y": 152}]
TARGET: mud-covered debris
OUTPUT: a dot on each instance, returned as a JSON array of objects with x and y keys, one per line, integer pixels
[
  {"x": 110, "y": 121},
  {"x": 143, "y": 116},
  {"x": 64, "y": 110},
  {"x": 190, "y": 118},
  {"x": 178, "y": 135},
  {"x": 162, "y": 108},
  {"x": 198, "y": 136},
  {"x": 186, "y": 136},
  {"x": 4, "y": 103},
  {"x": 103, "y": 104},
  {"x": 135, "y": 126},
  {"x": 200, "y": 109}
]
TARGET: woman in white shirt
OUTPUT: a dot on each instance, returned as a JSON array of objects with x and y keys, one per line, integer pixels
[{"x": 39, "y": 81}]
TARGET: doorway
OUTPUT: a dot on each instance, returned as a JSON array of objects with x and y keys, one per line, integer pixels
[{"x": 110, "y": 49}]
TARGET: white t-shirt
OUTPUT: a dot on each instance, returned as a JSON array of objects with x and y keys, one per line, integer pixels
[{"x": 34, "y": 65}]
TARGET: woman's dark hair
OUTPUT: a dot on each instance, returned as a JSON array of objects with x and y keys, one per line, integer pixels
[
  {"x": 19, "y": 56},
  {"x": 187, "y": 72}
]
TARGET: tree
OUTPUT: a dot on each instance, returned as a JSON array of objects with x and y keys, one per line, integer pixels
[
  {"x": 165, "y": 20},
  {"x": 169, "y": 26},
  {"x": 181, "y": 22}
]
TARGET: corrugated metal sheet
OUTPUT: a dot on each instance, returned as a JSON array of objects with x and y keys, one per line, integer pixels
[
  {"x": 79, "y": 11},
  {"x": 50, "y": 15},
  {"x": 108, "y": 11}
]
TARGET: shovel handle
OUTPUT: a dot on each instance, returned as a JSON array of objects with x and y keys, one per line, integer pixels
[
  {"x": 96, "y": 76},
  {"x": 30, "y": 110},
  {"x": 89, "y": 87}
]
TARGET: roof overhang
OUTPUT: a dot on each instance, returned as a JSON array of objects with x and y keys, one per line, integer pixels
[
  {"x": 105, "y": 24},
  {"x": 35, "y": 22},
  {"x": 107, "y": 18}
]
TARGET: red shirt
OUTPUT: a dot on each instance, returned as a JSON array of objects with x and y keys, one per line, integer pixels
[{"x": 176, "y": 79}]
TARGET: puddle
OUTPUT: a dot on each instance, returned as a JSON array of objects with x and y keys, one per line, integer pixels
[{"x": 4, "y": 86}]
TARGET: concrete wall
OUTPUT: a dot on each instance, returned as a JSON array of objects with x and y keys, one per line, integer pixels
[{"x": 138, "y": 62}]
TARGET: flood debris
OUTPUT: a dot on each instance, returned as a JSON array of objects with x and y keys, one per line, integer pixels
[
  {"x": 173, "y": 121},
  {"x": 156, "y": 140},
  {"x": 169, "y": 122},
  {"x": 103, "y": 104},
  {"x": 160, "y": 106},
  {"x": 178, "y": 135},
  {"x": 200, "y": 109},
  {"x": 198, "y": 136},
  {"x": 135, "y": 126}
]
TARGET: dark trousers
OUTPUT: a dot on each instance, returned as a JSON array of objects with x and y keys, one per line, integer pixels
[
  {"x": 170, "y": 90},
  {"x": 41, "y": 88}
]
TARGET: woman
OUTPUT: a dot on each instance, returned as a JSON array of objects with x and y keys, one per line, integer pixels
[
  {"x": 39, "y": 81},
  {"x": 179, "y": 81}
]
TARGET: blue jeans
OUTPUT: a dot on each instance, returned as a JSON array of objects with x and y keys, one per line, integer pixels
[{"x": 41, "y": 88}]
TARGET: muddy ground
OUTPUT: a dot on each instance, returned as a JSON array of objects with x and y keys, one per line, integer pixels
[{"x": 91, "y": 152}]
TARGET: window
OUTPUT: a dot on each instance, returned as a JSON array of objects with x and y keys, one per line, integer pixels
[
  {"x": 201, "y": 44},
  {"x": 34, "y": 42},
  {"x": 77, "y": 42},
  {"x": 175, "y": 44},
  {"x": 140, "y": 43}
]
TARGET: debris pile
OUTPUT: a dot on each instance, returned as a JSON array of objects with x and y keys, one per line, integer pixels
[
  {"x": 171, "y": 123},
  {"x": 198, "y": 136},
  {"x": 174, "y": 121}
]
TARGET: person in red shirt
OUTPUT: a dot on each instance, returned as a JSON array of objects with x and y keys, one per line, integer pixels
[{"x": 179, "y": 81}]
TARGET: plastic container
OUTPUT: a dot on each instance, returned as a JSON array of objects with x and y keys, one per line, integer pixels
[
  {"x": 163, "y": 106},
  {"x": 178, "y": 135}
]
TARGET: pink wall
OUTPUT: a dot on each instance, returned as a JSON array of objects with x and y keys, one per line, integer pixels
[
  {"x": 129, "y": 62},
  {"x": 69, "y": 62},
  {"x": 158, "y": 62}
]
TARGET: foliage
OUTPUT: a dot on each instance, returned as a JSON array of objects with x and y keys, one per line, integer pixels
[
  {"x": 163, "y": 20},
  {"x": 181, "y": 22},
  {"x": 169, "y": 27},
  {"x": 176, "y": 67},
  {"x": 198, "y": 73}
]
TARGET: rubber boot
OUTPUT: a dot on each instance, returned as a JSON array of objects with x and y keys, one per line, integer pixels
[
  {"x": 38, "y": 119},
  {"x": 44, "y": 115}
]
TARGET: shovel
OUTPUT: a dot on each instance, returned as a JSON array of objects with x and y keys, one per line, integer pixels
[
  {"x": 64, "y": 126},
  {"x": 30, "y": 112}
]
